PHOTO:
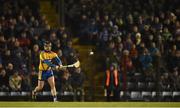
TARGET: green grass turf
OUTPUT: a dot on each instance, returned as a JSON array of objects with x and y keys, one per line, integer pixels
[{"x": 90, "y": 104}]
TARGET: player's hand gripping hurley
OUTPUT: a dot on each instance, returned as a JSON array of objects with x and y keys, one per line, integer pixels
[{"x": 76, "y": 65}]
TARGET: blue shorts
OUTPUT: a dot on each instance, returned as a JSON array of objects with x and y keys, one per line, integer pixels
[{"x": 44, "y": 75}]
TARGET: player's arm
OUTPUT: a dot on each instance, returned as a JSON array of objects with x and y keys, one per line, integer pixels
[
  {"x": 49, "y": 63},
  {"x": 57, "y": 60}
]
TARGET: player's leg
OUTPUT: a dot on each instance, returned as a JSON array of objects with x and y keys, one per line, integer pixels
[
  {"x": 53, "y": 87},
  {"x": 39, "y": 87}
]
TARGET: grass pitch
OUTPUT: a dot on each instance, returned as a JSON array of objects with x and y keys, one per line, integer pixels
[{"x": 92, "y": 104}]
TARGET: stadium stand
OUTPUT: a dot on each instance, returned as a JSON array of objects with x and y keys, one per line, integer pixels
[
  {"x": 141, "y": 37},
  {"x": 22, "y": 32},
  {"x": 148, "y": 30}
]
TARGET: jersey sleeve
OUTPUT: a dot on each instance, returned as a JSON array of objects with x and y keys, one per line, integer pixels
[
  {"x": 41, "y": 56},
  {"x": 57, "y": 59}
]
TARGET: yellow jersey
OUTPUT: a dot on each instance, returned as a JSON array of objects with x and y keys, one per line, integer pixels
[{"x": 47, "y": 56}]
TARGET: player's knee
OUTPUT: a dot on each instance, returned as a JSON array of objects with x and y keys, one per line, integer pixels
[{"x": 40, "y": 87}]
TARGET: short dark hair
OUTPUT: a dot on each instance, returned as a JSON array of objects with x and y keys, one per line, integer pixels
[{"x": 47, "y": 43}]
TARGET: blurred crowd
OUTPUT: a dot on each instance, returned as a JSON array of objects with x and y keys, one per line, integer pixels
[
  {"x": 135, "y": 37},
  {"x": 22, "y": 33},
  {"x": 139, "y": 41}
]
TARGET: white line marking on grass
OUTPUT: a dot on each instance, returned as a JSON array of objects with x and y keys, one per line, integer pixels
[{"x": 89, "y": 107}]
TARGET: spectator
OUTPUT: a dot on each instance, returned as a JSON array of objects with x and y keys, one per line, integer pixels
[
  {"x": 112, "y": 88},
  {"x": 36, "y": 40},
  {"x": 7, "y": 57},
  {"x": 175, "y": 78},
  {"x": 60, "y": 55},
  {"x": 173, "y": 59},
  {"x": 3, "y": 44},
  {"x": 146, "y": 60},
  {"x": 64, "y": 40},
  {"x": 24, "y": 40},
  {"x": 69, "y": 53},
  {"x": 83, "y": 27},
  {"x": 128, "y": 43},
  {"x": 61, "y": 31},
  {"x": 11, "y": 42},
  {"x": 4, "y": 77},
  {"x": 111, "y": 55},
  {"x": 15, "y": 82},
  {"x": 165, "y": 82},
  {"x": 126, "y": 67},
  {"x": 26, "y": 83},
  {"x": 93, "y": 31},
  {"x": 35, "y": 57},
  {"x": 166, "y": 34},
  {"x": 103, "y": 38},
  {"x": 177, "y": 59},
  {"x": 10, "y": 69},
  {"x": 154, "y": 52},
  {"x": 66, "y": 82},
  {"x": 147, "y": 67},
  {"x": 19, "y": 59},
  {"x": 1, "y": 62},
  {"x": 77, "y": 79},
  {"x": 138, "y": 38},
  {"x": 133, "y": 54},
  {"x": 115, "y": 32}
]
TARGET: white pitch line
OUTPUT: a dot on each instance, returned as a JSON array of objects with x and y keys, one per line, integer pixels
[{"x": 89, "y": 107}]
